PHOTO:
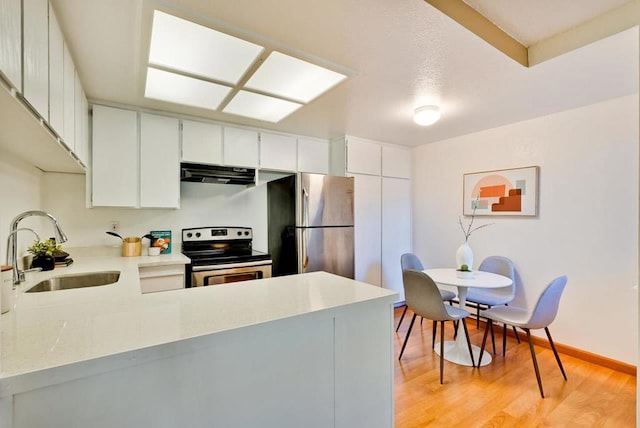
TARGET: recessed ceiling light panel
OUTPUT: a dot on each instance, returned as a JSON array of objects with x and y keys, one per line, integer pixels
[
  {"x": 175, "y": 88},
  {"x": 293, "y": 78},
  {"x": 191, "y": 48},
  {"x": 260, "y": 107}
]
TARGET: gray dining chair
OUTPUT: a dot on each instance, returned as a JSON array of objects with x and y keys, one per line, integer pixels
[
  {"x": 485, "y": 298},
  {"x": 543, "y": 314},
  {"x": 423, "y": 298},
  {"x": 411, "y": 261}
]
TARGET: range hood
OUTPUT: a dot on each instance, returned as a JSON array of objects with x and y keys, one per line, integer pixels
[{"x": 199, "y": 173}]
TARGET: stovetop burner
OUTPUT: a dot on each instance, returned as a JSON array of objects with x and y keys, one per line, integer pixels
[{"x": 220, "y": 245}]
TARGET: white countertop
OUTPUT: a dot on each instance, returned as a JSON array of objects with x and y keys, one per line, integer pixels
[{"x": 48, "y": 330}]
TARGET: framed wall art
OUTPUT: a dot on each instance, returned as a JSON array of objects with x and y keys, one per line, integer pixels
[{"x": 503, "y": 192}]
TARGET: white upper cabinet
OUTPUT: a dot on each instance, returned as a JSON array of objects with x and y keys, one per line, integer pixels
[
  {"x": 313, "y": 156},
  {"x": 56, "y": 75},
  {"x": 278, "y": 152},
  {"x": 11, "y": 37},
  {"x": 396, "y": 162},
  {"x": 201, "y": 142},
  {"x": 363, "y": 157},
  {"x": 81, "y": 122},
  {"x": 159, "y": 161},
  {"x": 241, "y": 147},
  {"x": 114, "y": 157},
  {"x": 36, "y": 55},
  {"x": 69, "y": 133}
]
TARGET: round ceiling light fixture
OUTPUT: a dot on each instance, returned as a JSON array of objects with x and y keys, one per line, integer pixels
[{"x": 426, "y": 115}]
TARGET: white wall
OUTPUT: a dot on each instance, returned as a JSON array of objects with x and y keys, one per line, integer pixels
[
  {"x": 20, "y": 190},
  {"x": 587, "y": 226},
  {"x": 202, "y": 205}
]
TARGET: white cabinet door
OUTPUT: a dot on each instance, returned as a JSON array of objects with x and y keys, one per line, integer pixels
[
  {"x": 201, "y": 142},
  {"x": 159, "y": 161},
  {"x": 367, "y": 224},
  {"x": 396, "y": 162},
  {"x": 114, "y": 157},
  {"x": 69, "y": 133},
  {"x": 396, "y": 230},
  {"x": 56, "y": 75},
  {"x": 81, "y": 144},
  {"x": 363, "y": 157},
  {"x": 278, "y": 152},
  {"x": 313, "y": 156},
  {"x": 11, "y": 36},
  {"x": 241, "y": 147},
  {"x": 36, "y": 55}
]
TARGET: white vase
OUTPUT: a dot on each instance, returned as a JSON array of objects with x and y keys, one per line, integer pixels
[{"x": 464, "y": 256}]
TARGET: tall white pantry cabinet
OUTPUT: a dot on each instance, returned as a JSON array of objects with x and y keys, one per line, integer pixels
[{"x": 382, "y": 206}]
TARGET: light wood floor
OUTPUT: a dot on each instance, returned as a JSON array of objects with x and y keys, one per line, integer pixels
[{"x": 505, "y": 393}]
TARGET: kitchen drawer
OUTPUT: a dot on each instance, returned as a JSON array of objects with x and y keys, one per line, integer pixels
[{"x": 161, "y": 278}]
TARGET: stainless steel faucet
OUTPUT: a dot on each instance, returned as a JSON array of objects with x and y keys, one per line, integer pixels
[{"x": 12, "y": 239}]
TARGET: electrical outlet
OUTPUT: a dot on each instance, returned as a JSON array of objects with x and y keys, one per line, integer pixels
[{"x": 114, "y": 226}]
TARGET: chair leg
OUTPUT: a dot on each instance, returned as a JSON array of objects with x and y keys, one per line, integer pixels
[
  {"x": 493, "y": 338},
  {"x": 553, "y": 347},
  {"x": 504, "y": 338},
  {"x": 484, "y": 340},
  {"x": 402, "y": 317},
  {"x": 477, "y": 316},
  {"x": 433, "y": 338},
  {"x": 413, "y": 319},
  {"x": 515, "y": 331},
  {"x": 466, "y": 333},
  {"x": 441, "y": 352},
  {"x": 535, "y": 361}
]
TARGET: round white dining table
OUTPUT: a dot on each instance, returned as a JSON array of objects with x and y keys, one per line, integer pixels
[{"x": 457, "y": 351}]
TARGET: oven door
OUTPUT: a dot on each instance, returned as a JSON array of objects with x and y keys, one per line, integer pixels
[{"x": 225, "y": 274}]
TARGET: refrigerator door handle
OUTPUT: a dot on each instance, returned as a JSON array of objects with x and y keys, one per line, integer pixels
[
  {"x": 305, "y": 207},
  {"x": 305, "y": 253}
]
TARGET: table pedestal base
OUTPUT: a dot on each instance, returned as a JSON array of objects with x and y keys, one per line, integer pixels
[{"x": 458, "y": 354}]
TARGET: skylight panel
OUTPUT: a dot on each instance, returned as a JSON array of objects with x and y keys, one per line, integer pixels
[
  {"x": 293, "y": 78},
  {"x": 194, "y": 49},
  {"x": 261, "y": 107},
  {"x": 165, "y": 86}
]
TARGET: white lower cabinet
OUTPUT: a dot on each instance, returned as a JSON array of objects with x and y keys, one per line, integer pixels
[
  {"x": 367, "y": 221},
  {"x": 396, "y": 230},
  {"x": 159, "y": 161},
  {"x": 161, "y": 278}
]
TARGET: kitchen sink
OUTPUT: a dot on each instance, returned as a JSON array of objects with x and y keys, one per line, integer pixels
[{"x": 81, "y": 280}]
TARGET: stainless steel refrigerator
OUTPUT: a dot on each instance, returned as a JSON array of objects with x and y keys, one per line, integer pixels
[{"x": 311, "y": 224}]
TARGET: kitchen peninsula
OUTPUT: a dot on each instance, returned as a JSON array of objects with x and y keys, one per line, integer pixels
[{"x": 310, "y": 350}]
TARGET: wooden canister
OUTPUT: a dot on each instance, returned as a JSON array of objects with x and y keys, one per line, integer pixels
[{"x": 131, "y": 247}]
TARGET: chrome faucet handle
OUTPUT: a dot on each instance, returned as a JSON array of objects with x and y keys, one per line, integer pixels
[{"x": 21, "y": 273}]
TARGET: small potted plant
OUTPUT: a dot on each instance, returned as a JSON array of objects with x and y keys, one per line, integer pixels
[
  {"x": 43, "y": 254},
  {"x": 464, "y": 272}
]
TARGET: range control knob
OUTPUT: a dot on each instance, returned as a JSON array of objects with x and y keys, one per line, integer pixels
[
  {"x": 239, "y": 233},
  {"x": 246, "y": 233},
  {"x": 197, "y": 234},
  {"x": 189, "y": 235}
]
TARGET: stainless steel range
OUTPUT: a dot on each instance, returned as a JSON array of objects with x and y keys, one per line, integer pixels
[{"x": 220, "y": 255}]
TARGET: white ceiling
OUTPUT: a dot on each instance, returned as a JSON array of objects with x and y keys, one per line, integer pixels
[
  {"x": 530, "y": 22},
  {"x": 399, "y": 54}
]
